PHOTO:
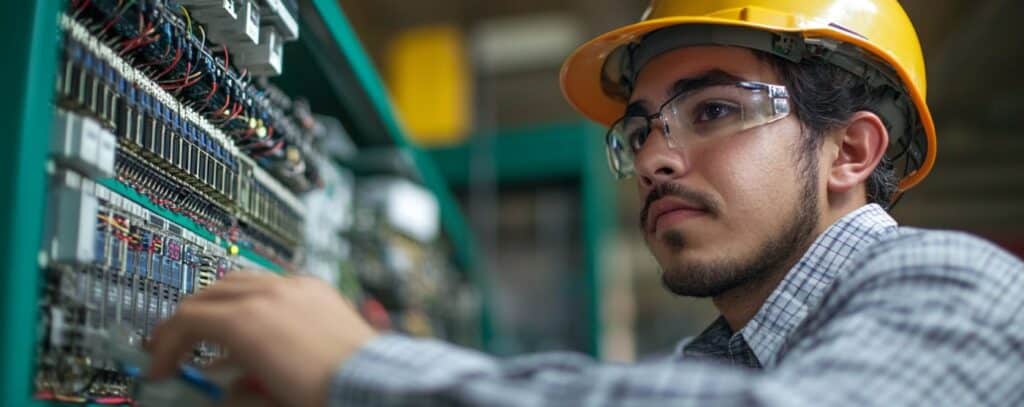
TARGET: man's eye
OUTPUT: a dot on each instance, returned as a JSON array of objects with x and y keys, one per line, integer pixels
[
  {"x": 637, "y": 138},
  {"x": 711, "y": 111}
]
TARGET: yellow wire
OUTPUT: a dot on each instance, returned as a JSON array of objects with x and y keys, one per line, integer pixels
[
  {"x": 113, "y": 223},
  {"x": 188, "y": 19},
  {"x": 203, "y": 31},
  {"x": 70, "y": 399}
]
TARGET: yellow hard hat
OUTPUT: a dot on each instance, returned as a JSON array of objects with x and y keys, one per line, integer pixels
[{"x": 872, "y": 38}]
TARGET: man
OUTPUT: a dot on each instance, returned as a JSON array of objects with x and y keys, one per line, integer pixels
[{"x": 766, "y": 139}]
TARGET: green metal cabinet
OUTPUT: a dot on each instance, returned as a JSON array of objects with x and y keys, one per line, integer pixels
[{"x": 570, "y": 152}]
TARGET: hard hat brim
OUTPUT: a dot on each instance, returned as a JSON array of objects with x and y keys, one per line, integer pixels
[{"x": 580, "y": 76}]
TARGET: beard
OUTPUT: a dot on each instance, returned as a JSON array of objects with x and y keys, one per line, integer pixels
[{"x": 711, "y": 279}]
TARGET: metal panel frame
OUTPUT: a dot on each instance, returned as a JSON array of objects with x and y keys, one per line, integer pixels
[{"x": 30, "y": 38}]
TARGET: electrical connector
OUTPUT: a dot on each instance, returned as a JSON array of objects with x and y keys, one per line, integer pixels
[
  {"x": 73, "y": 224},
  {"x": 106, "y": 146},
  {"x": 83, "y": 144},
  {"x": 263, "y": 59},
  {"x": 285, "y": 20},
  {"x": 230, "y": 22}
]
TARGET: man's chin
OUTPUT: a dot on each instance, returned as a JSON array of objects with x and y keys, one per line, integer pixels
[
  {"x": 683, "y": 245},
  {"x": 699, "y": 280},
  {"x": 703, "y": 271}
]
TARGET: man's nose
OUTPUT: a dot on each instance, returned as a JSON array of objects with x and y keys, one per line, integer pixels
[{"x": 656, "y": 162}]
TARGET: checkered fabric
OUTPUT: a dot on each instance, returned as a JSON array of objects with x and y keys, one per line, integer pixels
[{"x": 872, "y": 314}]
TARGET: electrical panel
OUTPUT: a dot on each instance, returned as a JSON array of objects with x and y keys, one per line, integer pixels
[
  {"x": 400, "y": 266},
  {"x": 174, "y": 161}
]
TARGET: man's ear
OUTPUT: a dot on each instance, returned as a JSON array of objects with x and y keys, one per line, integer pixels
[{"x": 862, "y": 143}]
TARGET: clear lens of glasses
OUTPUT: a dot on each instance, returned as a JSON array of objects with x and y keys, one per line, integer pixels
[{"x": 695, "y": 117}]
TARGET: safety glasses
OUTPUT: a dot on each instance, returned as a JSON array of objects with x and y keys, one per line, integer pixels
[{"x": 696, "y": 116}]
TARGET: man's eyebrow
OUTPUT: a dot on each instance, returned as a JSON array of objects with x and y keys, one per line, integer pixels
[
  {"x": 709, "y": 78},
  {"x": 703, "y": 80},
  {"x": 637, "y": 108}
]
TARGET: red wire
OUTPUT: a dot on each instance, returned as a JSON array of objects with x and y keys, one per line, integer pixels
[
  {"x": 220, "y": 111},
  {"x": 44, "y": 395},
  {"x": 145, "y": 28},
  {"x": 184, "y": 84},
  {"x": 236, "y": 111},
  {"x": 229, "y": 115},
  {"x": 140, "y": 42},
  {"x": 166, "y": 50},
  {"x": 246, "y": 134},
  {"x": 114, "y": 400},
  {"x": 270, "y": 131},
  {"x": 209, "y": 96},
  {"x": 188, "y": 72},
  {"x": 264, "y": 143},
  {"x": 114, "y": 19},
  {"x": 280, "y": 143},
  {"x": 194, "y": 81},
  {"x": 177, "y": 83},
  {"x": 213, "y": 90},
  {"x": 129, "y": 44},
  {"x": 177, "y": 58},
  {"x": 110, "y": 24},
  {"x": 163, "y": 58},
  {"x": 84, "y": 5}
]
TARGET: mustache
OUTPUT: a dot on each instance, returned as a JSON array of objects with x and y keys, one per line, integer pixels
[{"x": 669, "y": 189}]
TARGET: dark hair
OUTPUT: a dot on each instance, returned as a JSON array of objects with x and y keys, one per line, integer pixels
[{"x": 824, "y": 97}]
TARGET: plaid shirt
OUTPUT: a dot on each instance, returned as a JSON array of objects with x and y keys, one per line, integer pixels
[{"x": 872, "y": 314}]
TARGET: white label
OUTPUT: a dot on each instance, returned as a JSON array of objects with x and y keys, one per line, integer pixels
[{"x": 102, "y": 192}]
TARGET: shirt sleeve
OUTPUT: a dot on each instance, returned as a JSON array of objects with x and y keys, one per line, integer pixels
[{"x": 932, "y": 324}]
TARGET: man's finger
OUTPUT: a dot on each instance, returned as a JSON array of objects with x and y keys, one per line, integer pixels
[
  {"x": 242, "y": 393},
  {"x": 223, "y": 363},
  {"x": 177, "y": 336}
]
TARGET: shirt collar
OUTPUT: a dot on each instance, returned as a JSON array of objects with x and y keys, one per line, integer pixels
[{"x": 801, "y": 291}]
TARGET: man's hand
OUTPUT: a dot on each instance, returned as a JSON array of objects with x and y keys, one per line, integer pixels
[{"x": 290, "y": 333}]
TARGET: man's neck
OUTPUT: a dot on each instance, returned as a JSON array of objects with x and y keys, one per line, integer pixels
[{"x": 739, "y": 305}]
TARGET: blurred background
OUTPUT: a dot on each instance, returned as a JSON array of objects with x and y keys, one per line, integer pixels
[{"x": 476, "y": 84}]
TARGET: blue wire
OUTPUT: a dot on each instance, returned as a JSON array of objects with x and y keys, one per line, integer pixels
[
  {"x": 191, "y": 376},
  {"x": 194, "y": 377}
]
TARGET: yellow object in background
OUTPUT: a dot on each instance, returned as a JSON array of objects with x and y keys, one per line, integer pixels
[{"x": 430, "y": 83}]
